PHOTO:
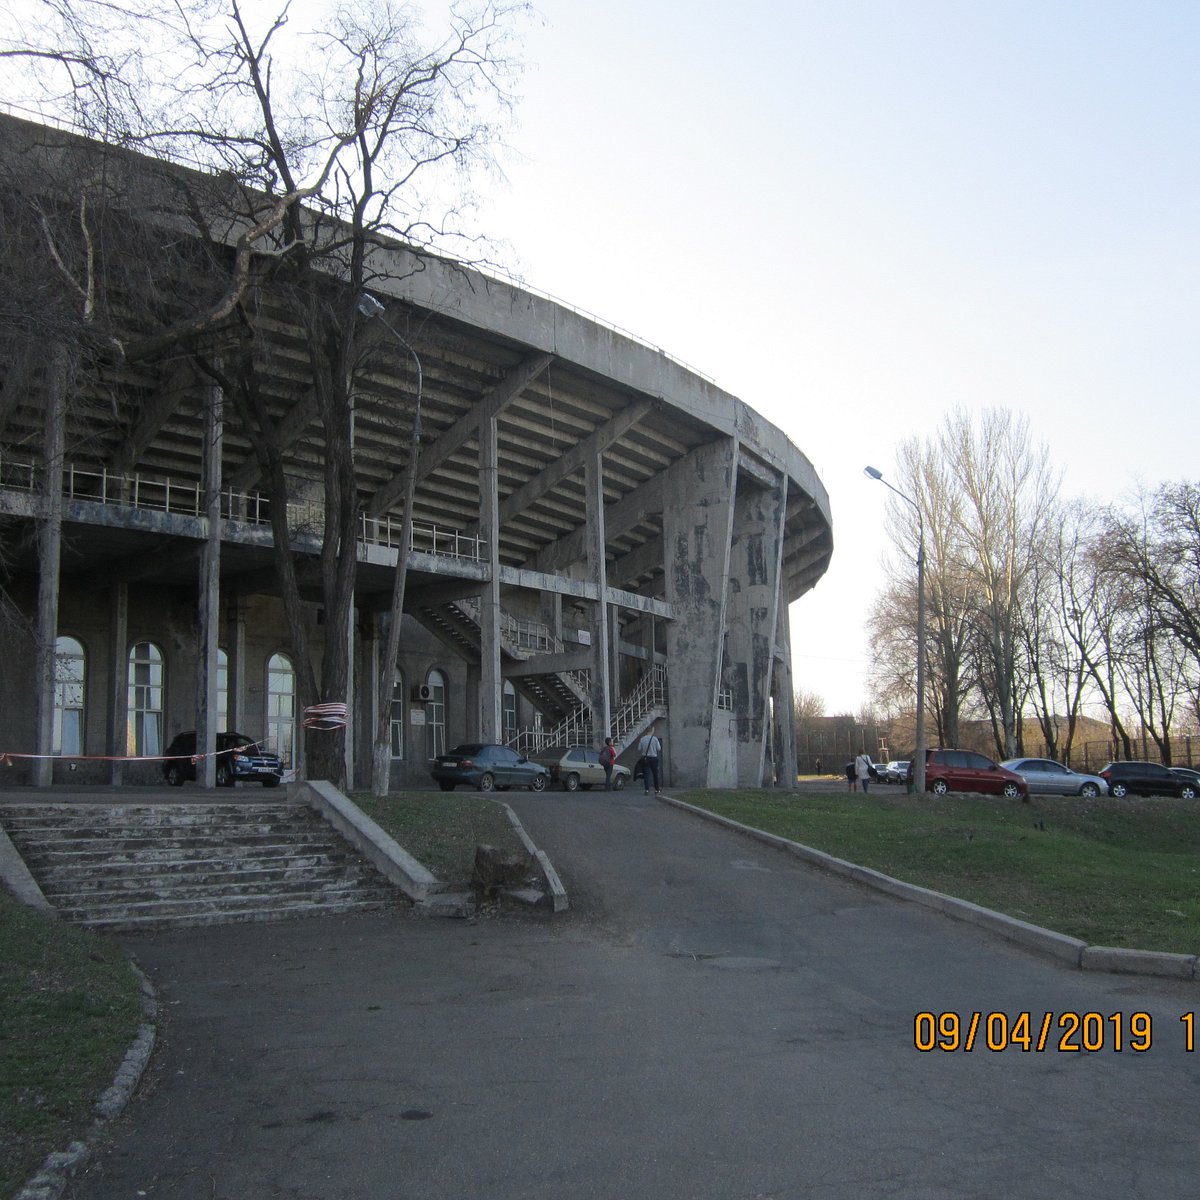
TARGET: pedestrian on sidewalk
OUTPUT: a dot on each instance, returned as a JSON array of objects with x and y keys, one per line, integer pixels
[
  {"x": 608, "y": 756},
  {"x": 650, "y": 748}
]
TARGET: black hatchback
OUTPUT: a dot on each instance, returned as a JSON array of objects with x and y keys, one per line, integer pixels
[
  {"x": 238, "y": 758},
  {"x": 1146, "y": 779}
]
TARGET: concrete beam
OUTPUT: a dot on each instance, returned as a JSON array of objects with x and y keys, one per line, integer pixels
[{"x": 465, "y": 428}]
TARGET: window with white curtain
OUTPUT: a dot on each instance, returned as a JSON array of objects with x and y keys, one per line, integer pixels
[
  {"x": 70, "y": 677},
  {"x": 145, "y": 700},
  {"x": 281, "y": 707},
  {"x": 435, "y": 714}
]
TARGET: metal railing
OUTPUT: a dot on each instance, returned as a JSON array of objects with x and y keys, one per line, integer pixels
[
  {"x": 575, "y": 728},
  {"x": 161, "y": 493},
  {"x": 518, "y": 632}
]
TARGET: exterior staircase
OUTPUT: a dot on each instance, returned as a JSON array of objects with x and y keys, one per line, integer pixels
[
  {"x": 555, "y": 692},
  {"x": 155, "y": 865}
]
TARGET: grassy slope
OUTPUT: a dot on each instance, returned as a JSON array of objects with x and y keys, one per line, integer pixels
[
  {"x": 1113, "y": 872},
  {"x": 442, "y": 829},
  {"x": 71, "y": 1007}
]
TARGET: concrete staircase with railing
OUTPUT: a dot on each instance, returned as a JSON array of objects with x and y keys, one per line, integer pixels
[{"x": 155, "y": 865}]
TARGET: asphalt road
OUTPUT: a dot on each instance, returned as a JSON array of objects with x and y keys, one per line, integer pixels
[{"x": 712, "y": 1019}]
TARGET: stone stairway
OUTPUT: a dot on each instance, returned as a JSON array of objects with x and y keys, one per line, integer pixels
[{"x": 154, "y": 865}]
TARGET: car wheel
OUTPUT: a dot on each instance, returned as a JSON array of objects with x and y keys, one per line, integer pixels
[
  {"x": 538, "y": 784},
  {"x": 271, "y": 781},
  {"x": 939, "y": 787},
  {"x": 619, "y": 782},
  {"x": 175, "y": 776},
  {"x": 446, "y": 787},
  {"x": 571, "y": 783},
  {"x": 224, "y": 776},
  {"x": 1187, "y": 792},
  {"x": 487, "y": 782},
  {"x": 1011, "y": 791},
  {"x": 1090, "y": 790},
  {"x": 1118, "y": 790}
]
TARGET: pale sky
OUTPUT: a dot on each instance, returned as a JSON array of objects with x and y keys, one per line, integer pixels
[{"x": 858, "y": 215}]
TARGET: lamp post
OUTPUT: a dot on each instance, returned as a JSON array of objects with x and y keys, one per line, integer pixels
[
  {"x": 381, "y": 752},
  {"x": 919, "y": 751}
]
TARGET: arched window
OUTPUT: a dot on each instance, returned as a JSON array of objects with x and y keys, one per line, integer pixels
[
  {"x": 222, "y": 691},
  {"x": 435, "y": 714},
  {"x": 508, "y": 714},
  {"x": 281, "y": 706},
  {"x": 399, "y": 711},
  {"x": 145, "y": 699},
  {"x": 70, "y": 674}
]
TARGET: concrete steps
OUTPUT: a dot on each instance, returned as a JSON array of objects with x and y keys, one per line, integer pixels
[{"x": 148, "y": 866}]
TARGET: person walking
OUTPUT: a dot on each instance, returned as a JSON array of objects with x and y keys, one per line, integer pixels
[
  {"x": 851, "y": 778},
  {"x": 608, "y": 756},
  {"x": 862, "y": 769},
  {"x": 650, "y": 748}
]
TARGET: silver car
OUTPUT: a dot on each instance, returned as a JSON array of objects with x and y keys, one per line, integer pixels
[{"x": 1046, "y": 777}]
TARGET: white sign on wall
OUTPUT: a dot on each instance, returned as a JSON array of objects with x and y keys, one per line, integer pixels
[{"x": 416, "y": 716}]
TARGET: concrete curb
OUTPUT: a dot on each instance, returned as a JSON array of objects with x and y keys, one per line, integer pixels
[
  {"x": 559, "y": 900},
  {"x": 15, "y": 876},
  {"x": 1069, "y": 950},
  {"x": 62, "y": 1165},
  {"x": 416, "y": 881}
]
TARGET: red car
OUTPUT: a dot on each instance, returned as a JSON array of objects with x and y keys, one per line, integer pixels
[{"x": 966, "y": 771}]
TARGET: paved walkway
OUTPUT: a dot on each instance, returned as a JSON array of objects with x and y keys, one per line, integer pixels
[{"x": 712, "y": 1019}]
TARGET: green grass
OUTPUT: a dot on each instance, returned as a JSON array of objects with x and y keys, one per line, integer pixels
[
  {"x": 442, "y": 829},
  {"x": 1112, "y": 872},
  {"x": 70, "y": 1005}
]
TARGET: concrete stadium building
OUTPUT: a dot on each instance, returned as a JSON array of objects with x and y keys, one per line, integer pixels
[{"x": 602, "y": 538}]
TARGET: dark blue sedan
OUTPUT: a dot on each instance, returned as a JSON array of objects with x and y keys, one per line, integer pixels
[{"x": 486, "y": 767}]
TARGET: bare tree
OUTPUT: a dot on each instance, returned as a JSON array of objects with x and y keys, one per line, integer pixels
[
  {"x": 313, "y": 161},
  {"x": 1008, "y": 490}
]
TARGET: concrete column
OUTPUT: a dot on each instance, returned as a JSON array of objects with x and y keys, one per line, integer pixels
[
  {"x": 351, "y": 691},
  {"x": 491, "y": 684},
  {"x": 785, "y": 698},
  {"x": 235, "y": 617},
  {"x": 209, "y": 598},
  {"x": 118, "y": 680},
  {"x": 601, "y": 692},
  {"x": 49, "y": 539},
  {"x": 753, "y": 617},
  {"x": 697, "y": 528}
]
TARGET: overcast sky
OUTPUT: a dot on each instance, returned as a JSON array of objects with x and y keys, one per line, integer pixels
[{"x": 857, "y": 215}]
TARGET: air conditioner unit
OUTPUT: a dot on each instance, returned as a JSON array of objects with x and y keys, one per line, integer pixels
[{"x": 422, "y": 692}]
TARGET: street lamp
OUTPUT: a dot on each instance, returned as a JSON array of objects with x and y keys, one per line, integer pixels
[{"x": 919, "y": 752}]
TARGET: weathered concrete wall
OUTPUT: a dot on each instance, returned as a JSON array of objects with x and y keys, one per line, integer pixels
[
  {"x": 752, "y": 618},
  {"x": 697, "y": 522}
]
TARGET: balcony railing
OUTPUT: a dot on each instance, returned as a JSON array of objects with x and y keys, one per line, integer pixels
[{"x": 161, "y": 493}]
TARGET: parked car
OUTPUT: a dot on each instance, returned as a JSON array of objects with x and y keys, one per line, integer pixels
[
  {"x": 1049, "y": 778},
  {"x": 1145, "y": 779},
  {"x": 485, "y": 766},
  {"x": 1189, "y": 777},
  {"x": 239, "y": 758},
  {"x": 967, "y": 771},
  {"x": 579, "y": 767},
  {"x": 896, "y": 771}
]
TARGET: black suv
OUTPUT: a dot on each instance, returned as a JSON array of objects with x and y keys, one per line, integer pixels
[
  {"x": 238, "y": 757},
  {"x": 1145, "y": 779}
]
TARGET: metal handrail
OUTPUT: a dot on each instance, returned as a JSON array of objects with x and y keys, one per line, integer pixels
[{"x": 162, "y": 493}]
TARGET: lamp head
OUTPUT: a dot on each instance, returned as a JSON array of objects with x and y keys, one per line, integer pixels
[
  {"x": 873, "y": 472},
  {"x": 369, "y": 306}
]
